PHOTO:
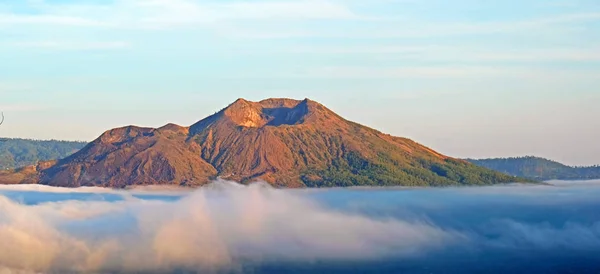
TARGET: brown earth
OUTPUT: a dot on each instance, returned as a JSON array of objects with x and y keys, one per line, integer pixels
[{"x": 287, "y": 143}]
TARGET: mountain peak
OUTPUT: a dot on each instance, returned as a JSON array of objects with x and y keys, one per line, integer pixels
[
  {"x": 245, "y": 113},
  {"x": 285, "y": 142},
  {"x": 123, "y": 134},
  {"x": 279, "y": 103},
  {"x": 269, "y": 112}
]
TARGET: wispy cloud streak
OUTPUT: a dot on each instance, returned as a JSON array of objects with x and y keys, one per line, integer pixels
[{"x": 55, "y": 45}]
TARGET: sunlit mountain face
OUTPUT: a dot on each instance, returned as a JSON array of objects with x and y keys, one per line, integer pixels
[
  {"x": 284, "y": 142},
  {"x": 230, "y": 228}
]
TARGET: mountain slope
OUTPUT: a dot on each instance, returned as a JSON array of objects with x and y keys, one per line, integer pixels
[
  {"x": 539, "y": 168},
  {"x": 133, "y": 155},
  {"x": 16, "y": 153},
  {"x": 297, "y": 143},
  {"x": 287, "y": 143}
]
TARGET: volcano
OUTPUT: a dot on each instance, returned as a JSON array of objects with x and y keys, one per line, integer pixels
[{"x": 284, "y": 142}]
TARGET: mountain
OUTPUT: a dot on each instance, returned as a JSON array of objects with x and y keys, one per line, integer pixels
[
  {"x": 538, "y": 168},
  {"x": 287, "y": 143},
  {"x": 16, "y": 153},
  {"x": 133, "y": 155}
]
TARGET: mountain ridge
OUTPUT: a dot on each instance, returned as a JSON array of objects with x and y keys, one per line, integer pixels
[
  {"x": 284, "y": 142},
  {"x": 538, "y": 168},
  {"x": 20, "y": 152}
]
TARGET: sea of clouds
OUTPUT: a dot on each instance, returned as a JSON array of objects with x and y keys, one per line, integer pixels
[{"x": 226, "y": 227}]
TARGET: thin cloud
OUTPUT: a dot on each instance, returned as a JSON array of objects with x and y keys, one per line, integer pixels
[
  {"x": 455, "y": 53},
  {"x": 455, "y": 71},
  {"x": 16, "y": 19},
  {"x": 415, "y": 28},
  {"x": 135, "y": 14},
  {"x": 576, "y": 55},
  {"x": 163, "y": 14},
  {"x": 314, "y": 9},
  {"x": 58, "y": 45}
]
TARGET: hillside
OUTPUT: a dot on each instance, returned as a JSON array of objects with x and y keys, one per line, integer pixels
[
  {"x": 16, "y": 153},
  {"x": 538, "y": 168},
  {"x": 133, "y": 156},
  {"x": 287, "y": 143}
]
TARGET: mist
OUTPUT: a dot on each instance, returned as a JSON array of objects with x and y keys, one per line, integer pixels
[{"x": 230, "y": 228}]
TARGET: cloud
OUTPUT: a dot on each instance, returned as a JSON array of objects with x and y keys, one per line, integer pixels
[
  {"x": 157, "y": 14},
  {"x": 48, "y": 189},
  {"x": 16, "y": 19},
  {"x": 544, "y": 236},
  {"x": 230, "y": 227},
  {"x": 211, "y": 229},
  {"x": 456, "y": 53},
  {"x": 437, "y": 71},
  {"x": 254, "y": 19},
  {"x": 576, "y": 55},
  {"x": 412, "y": 28},
  {"x": 311, "y": 9},
  {"x": 79, "y": 45},
  {"x": 150, "y": 190},
  {"x": 160, "y": 14}
]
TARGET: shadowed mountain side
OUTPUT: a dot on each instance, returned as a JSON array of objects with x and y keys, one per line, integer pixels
[
  {"x": 287, "y": 143},
  {"x": 539, "y": 168}
]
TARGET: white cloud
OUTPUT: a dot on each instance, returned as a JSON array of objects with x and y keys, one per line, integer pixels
[
  {"x": 12, "y": 19},
  {"x": 464, "y": 53},
  {"x": 577, "y": 55},
  {"x": 416, "y": 28},
  {"x": 79, "y": 45},
  {"x": 227, "y": 226},
  {"x": 454, "y": 71},
  {"x": 368, "y": 49},
  {"x": 172, "y": 13},
  {"x": 213, "y": 228},
  {"x": 311, "y": 9},
  {"x": 403, "y": 72},
  {"x": 231, "y": 18}
]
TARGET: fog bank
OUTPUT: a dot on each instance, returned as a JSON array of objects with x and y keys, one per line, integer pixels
[
  {"x": 212, "y": 228},
  {"x": 226, "y": 227}
]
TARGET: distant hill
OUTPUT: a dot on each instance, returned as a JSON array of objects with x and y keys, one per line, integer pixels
[
  {"x": 287, "y": 143},
  {"x": 538, "y": 168},
  {"x": 16, "y": 153}
]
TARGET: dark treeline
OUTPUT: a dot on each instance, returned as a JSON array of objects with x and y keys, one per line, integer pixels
[
  {"x": 16, "y": 153},
  {"x": 539, "y": 168}
]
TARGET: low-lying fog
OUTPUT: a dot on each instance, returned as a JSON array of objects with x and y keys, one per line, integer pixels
[{"x": 229, "y": 228}]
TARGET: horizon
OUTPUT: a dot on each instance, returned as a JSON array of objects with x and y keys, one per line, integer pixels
[
  {"x": 299, "y": 100},
  {"x": 470, "y": 80}
]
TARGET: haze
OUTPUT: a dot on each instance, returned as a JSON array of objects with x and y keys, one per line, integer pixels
[{"x": 467, "y": 78}]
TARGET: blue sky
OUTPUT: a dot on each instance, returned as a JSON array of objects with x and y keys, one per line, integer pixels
[{"x": 469, "y": 78}]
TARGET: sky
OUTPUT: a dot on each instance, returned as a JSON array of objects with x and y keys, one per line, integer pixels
[{"x": 468, "y": 78}]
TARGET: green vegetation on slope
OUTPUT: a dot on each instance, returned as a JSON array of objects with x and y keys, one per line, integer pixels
[
  {"x": 539, "y": 168},
  {"x": 286, "y": 143},
  {"x": 15, "y": 153},
  {"x": 352, "y": 170}
]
